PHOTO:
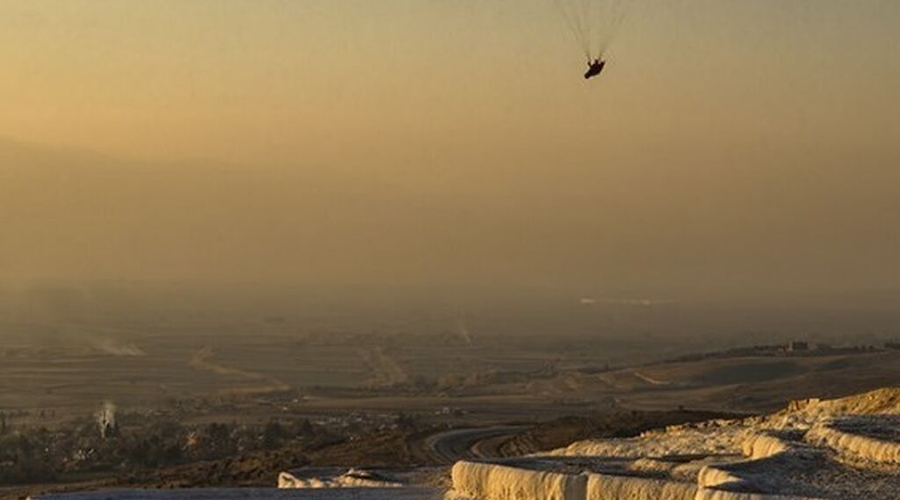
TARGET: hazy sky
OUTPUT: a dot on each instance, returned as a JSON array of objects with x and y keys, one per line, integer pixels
[{"x": 731, "y": 144}]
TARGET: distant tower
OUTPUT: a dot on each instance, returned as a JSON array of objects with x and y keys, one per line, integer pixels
[{"x": 106, "y": 421}]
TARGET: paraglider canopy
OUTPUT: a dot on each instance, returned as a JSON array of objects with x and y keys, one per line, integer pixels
[{"x": 593, "y": 23}]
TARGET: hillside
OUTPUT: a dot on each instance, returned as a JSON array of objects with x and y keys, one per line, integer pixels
[{"x": 840, "y": 449}]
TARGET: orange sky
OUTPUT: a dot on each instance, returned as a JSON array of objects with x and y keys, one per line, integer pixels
[
  {"x": 273, "y": 80},
  {"x": 720, "y": 121}
]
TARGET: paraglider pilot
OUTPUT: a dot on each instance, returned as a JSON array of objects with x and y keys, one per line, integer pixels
[{"x": 595, "y": 67}]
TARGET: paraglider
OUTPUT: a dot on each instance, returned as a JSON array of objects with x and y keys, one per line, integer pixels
[
  {"x": 593, "y": 25},
  {"x": 594, "y": 68}
]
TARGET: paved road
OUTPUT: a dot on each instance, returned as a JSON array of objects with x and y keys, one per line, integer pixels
[{"x": 484, "y": 442}]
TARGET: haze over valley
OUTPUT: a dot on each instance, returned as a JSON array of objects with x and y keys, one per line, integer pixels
[{"x": 505, "y": 250}]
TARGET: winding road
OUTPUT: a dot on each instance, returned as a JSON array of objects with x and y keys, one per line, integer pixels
[{"x": 484, "y": 442}]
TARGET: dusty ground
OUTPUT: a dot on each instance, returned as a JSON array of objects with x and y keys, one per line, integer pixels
[{"x": 51, "y": 372}]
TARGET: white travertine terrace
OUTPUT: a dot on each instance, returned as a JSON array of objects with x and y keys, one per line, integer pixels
[{"x": 844, "y": 449}]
